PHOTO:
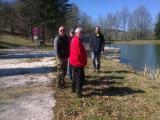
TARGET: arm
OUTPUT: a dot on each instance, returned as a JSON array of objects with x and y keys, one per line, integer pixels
[
  {"x": 90, "y": 43},
  {"x": 55, "y": 45},
  {"x": 103, "y": 43}
]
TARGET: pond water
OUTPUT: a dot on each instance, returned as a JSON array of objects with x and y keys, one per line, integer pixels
[{"x": 139, "y": 55}]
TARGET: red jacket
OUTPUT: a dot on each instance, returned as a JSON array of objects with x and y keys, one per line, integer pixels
[{"x": 78, "y": 56}]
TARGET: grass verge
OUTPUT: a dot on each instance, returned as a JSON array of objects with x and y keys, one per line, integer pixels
[
  {"x": 117, "y": 93},
  {"x": 8, "y": 41}
]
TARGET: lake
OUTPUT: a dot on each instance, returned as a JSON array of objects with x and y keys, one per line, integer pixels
[{"x": 139, "y": 55}]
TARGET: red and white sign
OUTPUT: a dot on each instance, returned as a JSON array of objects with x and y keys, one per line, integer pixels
[{"x": 35, "y": 31}]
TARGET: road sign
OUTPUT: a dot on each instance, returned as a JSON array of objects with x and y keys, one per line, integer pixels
[
  {"x": 35, "y": 31},
  {"x": 35, "y": 37}
]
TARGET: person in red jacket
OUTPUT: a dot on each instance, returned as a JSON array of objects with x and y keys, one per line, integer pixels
[{"x": 78, "y": 60}]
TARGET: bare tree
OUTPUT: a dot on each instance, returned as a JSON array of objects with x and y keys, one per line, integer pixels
[
  {"x": 85, "y": 22},
  {"x": 73, "y": 18},
  {"x": 1, "y": 16},
  {"x": 142, "y": 22},
  {"x": 125, "y": 16},
  {"x": 113, "y": 25}
]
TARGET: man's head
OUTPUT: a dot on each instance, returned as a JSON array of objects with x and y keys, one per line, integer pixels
[
  {"x": 61, "y": 30},
  {"x": 71, "y": 33},
  {"x": 98, "y": 29},
  {"x": 78, "y": 32}
]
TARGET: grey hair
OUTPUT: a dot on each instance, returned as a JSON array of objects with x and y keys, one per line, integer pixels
[{"x": 78, "y": 30}]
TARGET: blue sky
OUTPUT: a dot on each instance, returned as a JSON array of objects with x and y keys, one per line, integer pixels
[
  {"x": 8, "y": 0},
  {"x": 96, "y": 8}
]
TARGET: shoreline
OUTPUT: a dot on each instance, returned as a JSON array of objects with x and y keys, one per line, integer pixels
[
  {"x": 109, "y": 95},
  {"x": 136, "y": 42}
]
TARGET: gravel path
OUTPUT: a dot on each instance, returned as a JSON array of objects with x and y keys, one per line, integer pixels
[{"x": 25, "y": 85}]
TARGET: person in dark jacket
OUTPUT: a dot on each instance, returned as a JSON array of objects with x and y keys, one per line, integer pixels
[
  {"x": 61, "y": 46},
  {"x": 96, "y": 47},
  {"x": 78, "y": 60}
]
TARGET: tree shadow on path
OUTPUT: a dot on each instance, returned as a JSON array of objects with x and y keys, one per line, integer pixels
[
  {"x": 108, "y": 86},
  {"x": 22, "y": 71}
]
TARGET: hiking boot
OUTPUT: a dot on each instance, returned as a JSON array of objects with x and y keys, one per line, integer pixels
[
  {"x": 61, "y": 84},
  {"x": 98, "y": 71},
  {"x": 73, "y": 89},
  {"x": 79, "y": 94}
]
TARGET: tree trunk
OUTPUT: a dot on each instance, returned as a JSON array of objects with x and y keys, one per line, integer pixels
[
  {"x": 26, "y": 33},
  {"x": 31, "y": 32},
  {"x": 12, "y": 30},
  {"x": 43, "y": 34}
]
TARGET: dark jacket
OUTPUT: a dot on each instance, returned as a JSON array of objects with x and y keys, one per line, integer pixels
[
  {"x": 61, "y": 46},
  {"x": 97, "y": 43},
  {"x": 78, "y": 56}
]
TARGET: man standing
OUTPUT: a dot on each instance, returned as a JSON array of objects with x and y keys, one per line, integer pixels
[
  {"x": 96, "y": 46},
  {"x": 78, "y": 60},
  {"x": 61, "y": 46}
]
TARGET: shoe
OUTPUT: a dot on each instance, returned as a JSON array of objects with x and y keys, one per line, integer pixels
[
  {"x": 61, "y": 84},
  {"x": 98, "y": 71},
  {"x": 79, "y": 94},
  {"x": 73, "y": 89}
]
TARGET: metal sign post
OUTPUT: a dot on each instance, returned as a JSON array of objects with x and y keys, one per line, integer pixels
[
  {"x": 35, "y": 32},
  {"x": 36, "y": 38}
]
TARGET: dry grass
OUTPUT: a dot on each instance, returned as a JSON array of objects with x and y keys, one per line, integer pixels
[
  {"x": 153, "y": 74},
  {"x": 117, "y": 93},
  {"x": 138, "y": 42}
]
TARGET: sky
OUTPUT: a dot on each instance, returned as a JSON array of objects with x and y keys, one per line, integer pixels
[
  {"x": 8, "y": 0},
  {"x": 97, "y": 8}
]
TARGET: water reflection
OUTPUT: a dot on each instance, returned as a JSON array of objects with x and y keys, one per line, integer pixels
[{"x": 139, "y": 55}]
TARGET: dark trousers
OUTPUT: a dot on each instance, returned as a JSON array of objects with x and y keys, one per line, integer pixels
[
  {"x": 96, "y": 60},
  {"x": 69, "y": 71},
  {"x": 78, "y": 79}
]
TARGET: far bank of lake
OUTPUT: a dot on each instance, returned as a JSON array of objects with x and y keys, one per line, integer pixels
[{"x": 140, "y": 55}]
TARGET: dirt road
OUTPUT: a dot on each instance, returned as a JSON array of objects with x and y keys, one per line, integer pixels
[{"x": 26, "y": 91}]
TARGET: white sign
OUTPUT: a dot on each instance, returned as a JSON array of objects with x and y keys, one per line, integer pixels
[{"x": 35, "y": 37}]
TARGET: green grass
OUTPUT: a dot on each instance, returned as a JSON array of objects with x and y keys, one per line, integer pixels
[
  {"x": 117, "y": 93},
  {"x": 10, "y": 41},
  {"x": 7, "y": 41}
]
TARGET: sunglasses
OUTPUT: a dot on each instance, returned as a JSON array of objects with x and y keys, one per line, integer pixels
[{"x": 62, "y": 30}]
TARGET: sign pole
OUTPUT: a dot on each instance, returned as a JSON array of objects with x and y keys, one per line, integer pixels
[
  {"x": 35, "y": 32},
  {"x": 36, "y": 49},
  {"x": 36, "y": 38}
]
